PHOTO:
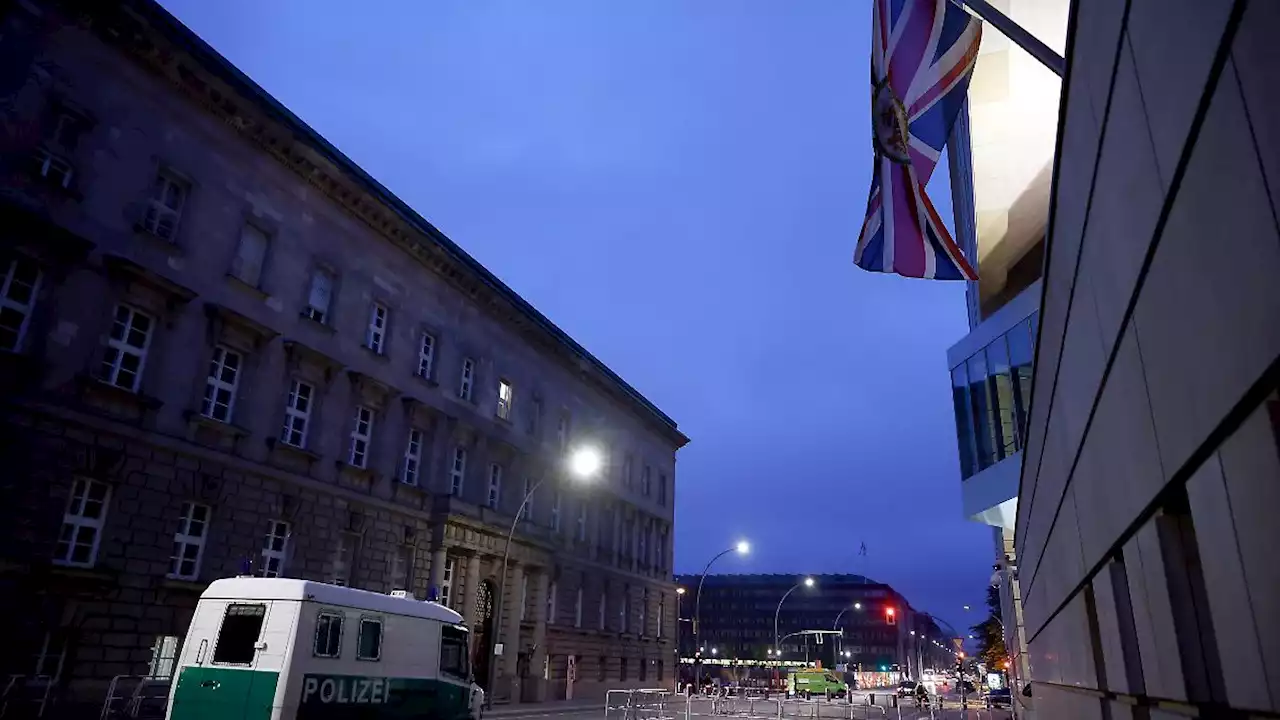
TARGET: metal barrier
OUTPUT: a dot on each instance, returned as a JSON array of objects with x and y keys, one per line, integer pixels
[
  {"x": 26, "y": 690},
  {"x": 641, "y": 704},
  {"x": 147, "y": 699}
]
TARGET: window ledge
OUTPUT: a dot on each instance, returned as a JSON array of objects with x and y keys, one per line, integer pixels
[
  {"x": 365, "y": 473},
  {"x": 91, "y": 384},
  {"x": 172, "y": 583},
  {"x": 426, "y": 380},
  {"x": 230, "y": 429},
  {"x": 274, "y": 443},
  {"x": 170, "y": 246},
  {"x": 379, "y": 356},
  {"x": 253, "y": 289},
  {"x": 312, "y": 322},
  {"x": 82, "y": 573}
]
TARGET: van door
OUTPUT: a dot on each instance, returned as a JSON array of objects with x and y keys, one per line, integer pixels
[{"x": 224, "y": 683}]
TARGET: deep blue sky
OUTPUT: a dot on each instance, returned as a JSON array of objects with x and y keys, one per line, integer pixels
[{"x": 678, "y": 185}]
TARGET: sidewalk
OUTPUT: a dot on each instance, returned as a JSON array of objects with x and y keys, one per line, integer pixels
[{"x": 543, "y": 708}]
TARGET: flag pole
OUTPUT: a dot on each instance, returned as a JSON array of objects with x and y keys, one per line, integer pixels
[{"x": 1017, "y": 34}]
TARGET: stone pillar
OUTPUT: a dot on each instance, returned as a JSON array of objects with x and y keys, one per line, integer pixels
[
  {"x": 438, "y": 559},
  {"x": 470, "y": 589},
  {"x": 540, "y": 584},
  {"x": 510, "y": 639}
]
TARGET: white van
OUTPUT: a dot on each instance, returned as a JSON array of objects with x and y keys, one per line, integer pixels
[{"x": 277, "y": 648}]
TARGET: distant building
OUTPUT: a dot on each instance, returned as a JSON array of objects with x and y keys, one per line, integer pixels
[
  {"x": 224, "y": 348},
  {"x": 875, "y": 622}
]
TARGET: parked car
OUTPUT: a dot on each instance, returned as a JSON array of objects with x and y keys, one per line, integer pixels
[
  {"x": 906, "y": 687},
  {"x": 999, "y": 697}
]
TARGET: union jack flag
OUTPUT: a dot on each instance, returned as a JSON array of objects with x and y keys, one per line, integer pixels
[{"x": 922, "y": 56}]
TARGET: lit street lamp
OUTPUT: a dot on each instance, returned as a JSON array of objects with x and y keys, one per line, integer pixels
[
  {"x": 583, "y": 464},
  {"x": 742, "y": 548},
  {"x": 836, "y": 625},
  {"x": 807, "y": 582}
]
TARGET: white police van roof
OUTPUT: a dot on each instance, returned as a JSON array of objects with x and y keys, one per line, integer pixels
[{"x": 254, "y": 588}]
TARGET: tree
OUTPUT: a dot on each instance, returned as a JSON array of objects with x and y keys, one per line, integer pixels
[{"x": 990, "y": 634}]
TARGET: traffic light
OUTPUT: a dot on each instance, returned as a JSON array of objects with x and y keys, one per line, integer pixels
[{"x": 890, "y": 616}]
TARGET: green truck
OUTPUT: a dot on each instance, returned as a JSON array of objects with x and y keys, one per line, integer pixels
[{"x": 815, "y": 682}]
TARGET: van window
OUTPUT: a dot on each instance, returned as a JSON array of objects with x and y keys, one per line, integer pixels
[
  {"x": 453, "y": 652},
  {"x": 239, "y": 633},
  {"x": 369, "y": 644},
  {"x": 328, "y": 635}
]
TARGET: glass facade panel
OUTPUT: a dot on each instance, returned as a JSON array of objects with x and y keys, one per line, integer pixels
[
  {"x": 983, "y": 417},
  {"x": 1000, "y": 384},
  {"x": 964, "y": 429},
  {"x": 991, "y": 394}
]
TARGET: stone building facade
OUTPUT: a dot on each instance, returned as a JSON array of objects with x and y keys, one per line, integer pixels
[{"x": 225, "y": 349}]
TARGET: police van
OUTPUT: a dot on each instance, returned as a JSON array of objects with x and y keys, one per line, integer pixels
[{"x": 278, "y": 648}]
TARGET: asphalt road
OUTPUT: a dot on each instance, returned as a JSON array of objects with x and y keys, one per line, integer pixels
[{"x": 739, "y": 709}]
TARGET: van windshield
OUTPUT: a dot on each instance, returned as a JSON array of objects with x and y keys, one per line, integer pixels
[{"x": 453, "y": 652}]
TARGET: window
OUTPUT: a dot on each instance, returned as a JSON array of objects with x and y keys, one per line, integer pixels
[
  {"x": 412, "y": 458},
  {"x": 659, "y": 671},
  {"x": 164, "y": 656},
  {"x": 662, "y": 614},
  {"x": 529, "y": 485},
  {"x": 524, "y": 596},
  {"x": 646, "y": 480},
  {"x": 551, "y": 603},
  {"x": 53, "y": 167},
  {"x": 241, "y": 626},
  {"x": 625, "y": 611},
  {"x": 401, "y": 568},
  {"x": 457, "y": 471},
  {"x": 601, "y": 609},
  {"x": 602, "y": 665},
  {"x": 622, "y": 668},
  {"x": 82, "y": 523},
  {"x": 577, "y": 609},
  {"x": 467, "y": 378},
  {"x": 581, "y": 532},
  {"x": 562, "y": 430},
  {"x": 453, "y": 652},
  {"x": 426, "y": 355},
  {"x": 644, "y": 669},
  {"x": 126, "y": 348},
  {"x": 641, "y": 546},
  {"x": 662, "y": 489},
  {"x": 319, "y": 296},
  {"x": 328, "y": 643},
  {"x": 506, "y": 395},
  {"x": 535, "y": 416},
  {"x": 220, "y": 386},
  {"x": 446, "y": 582},
  {"x": 297, "y": 411},
  {"x": 275, "y": 549},
  {"x": 495, "y": 485},
  {"x": 188, "y": 542},
  {"x": 555, "y": 511},
  {"x": 18, "y": 288},
  {"x": 251, "y": 253},
  {"x": 343, "y": 558},
  {"x": 369, "y": 641},
  {"x": 164, "y": 208},
  {"x": 361, "y": 434},
  {"x": 644, "y": 612},
  {"x": 626, "y": 472},
  {"x": 377, "y": 331}
]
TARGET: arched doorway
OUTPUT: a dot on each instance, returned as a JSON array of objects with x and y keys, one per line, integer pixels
[{"x": 483, "y": 633}]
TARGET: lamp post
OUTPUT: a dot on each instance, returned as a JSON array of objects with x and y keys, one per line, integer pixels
[
  {"x": 836, "y": 625},
  {"x": 584, "y": 463},
  {"x": 807, "y": 582},
  {"x": 742, "y": 548}
]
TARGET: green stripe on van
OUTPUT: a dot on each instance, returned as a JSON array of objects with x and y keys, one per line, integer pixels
[{"x": 217, "y": 693}]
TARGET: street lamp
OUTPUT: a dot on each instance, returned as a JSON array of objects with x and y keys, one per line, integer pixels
[
  {"x": 807, "y": 582},
  {"x": 742, "y": 548},
  {"x": 583, "y": 464},
  {"x": 836, "y": 625}
]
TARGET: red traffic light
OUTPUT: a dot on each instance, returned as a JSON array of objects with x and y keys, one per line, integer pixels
[{"x": 891, "y": 616}]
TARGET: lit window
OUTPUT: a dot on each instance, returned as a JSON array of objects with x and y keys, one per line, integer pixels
[
  {"x": 361, "y": 434},
  {"x": 188, "y": 542},
  {"x": 506, "y": 394},
  {"x": 297, "y": 411},
  {"x": 426, "y": 355},
  {"x": 275, "y": 549},
  {"x": 18, "y": 287},
  {"x": 220, "y": 386},
  {"x": 457, "y": 471},
  {"x": 495, "y": 485},
  {"x": 467, "y": 379},
  {"x": 401, "y": 565},
  {"x": 251, "y": 253},
  {"x": 82, "y": 523},
  {"x": 164, "y": 208},
  {"x": 412, "y": 458},
  {"x": 126, "y": 352},
  {"x": 377, "y": 328},
  {"x": 343, "y": 557},
  {"x": 319, "y": 296}
]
